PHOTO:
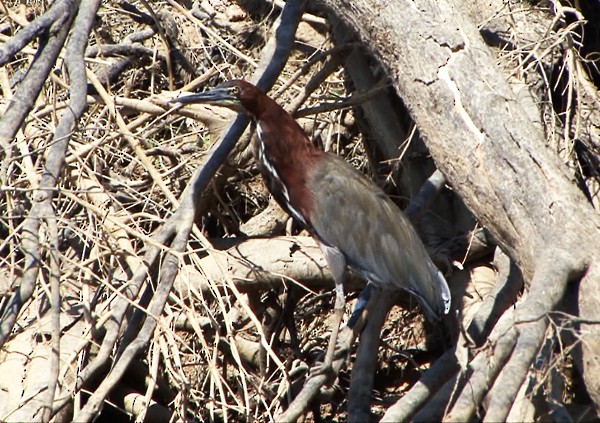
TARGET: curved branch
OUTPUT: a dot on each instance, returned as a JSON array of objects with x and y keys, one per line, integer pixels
[
  {"x": 363, "y": 370},
  {"x": 43, "y": 208},
  {"x": 184, "y": 217},
  {"x": 555, "y": 270},
  {"x": 504, "y": 294},
  {"x": 428, "y": 192},
  {"x": 483, "y": 369},
  {"x": 50, "y": 22},
  {"x": 12, "y": 119},
  {"x": 437, "y": 385},
  {"x": 60, "y": 19},
  {"x": 316, "y": 381},
  {"x": 55, "y": 163}
]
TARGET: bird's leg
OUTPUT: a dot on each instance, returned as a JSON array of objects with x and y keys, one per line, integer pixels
[
  {"x": 338, "y": 309},
  {"x": 291, "y": 301},
  {"x": 337, "y": 265},
  {"x": 361, "y": 304}
]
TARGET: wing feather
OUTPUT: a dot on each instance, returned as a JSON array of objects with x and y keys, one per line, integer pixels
[{"x": 377, "y": 240}]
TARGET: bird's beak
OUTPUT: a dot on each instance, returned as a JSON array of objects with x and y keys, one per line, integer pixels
[{"x": 217, "y": 96}]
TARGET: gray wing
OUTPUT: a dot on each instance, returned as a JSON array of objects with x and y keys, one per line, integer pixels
[{"x": 377, "y": 240}]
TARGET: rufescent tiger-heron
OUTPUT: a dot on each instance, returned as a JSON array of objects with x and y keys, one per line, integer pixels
[{"x": 352, "y": 220}]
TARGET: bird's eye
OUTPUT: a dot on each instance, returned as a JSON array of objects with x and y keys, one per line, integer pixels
[{"x": 235, "y": 91}]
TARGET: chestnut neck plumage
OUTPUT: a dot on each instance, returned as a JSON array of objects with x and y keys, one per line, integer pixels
[{"x": 285, "y": 160}]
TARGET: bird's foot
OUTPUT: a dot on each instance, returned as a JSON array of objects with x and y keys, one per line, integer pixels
[
  {"x": 337, "y": 351},
  {"x": 322, "y": 369}
]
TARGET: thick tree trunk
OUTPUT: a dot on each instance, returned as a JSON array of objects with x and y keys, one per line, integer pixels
[{"x": 492, "y": 153}]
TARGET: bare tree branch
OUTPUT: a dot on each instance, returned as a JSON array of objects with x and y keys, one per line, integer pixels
[
  {"x": 184, "y": 216},
  {"x": 9, "y": 124}
]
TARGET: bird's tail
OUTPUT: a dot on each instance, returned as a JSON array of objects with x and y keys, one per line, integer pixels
[{"x": 437, "y": 298}]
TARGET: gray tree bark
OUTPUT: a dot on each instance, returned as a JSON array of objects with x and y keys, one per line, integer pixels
[{"x": 490, "y": 150}]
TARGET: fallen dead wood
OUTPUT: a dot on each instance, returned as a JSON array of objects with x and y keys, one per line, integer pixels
[{"x": 258, "y": 264}]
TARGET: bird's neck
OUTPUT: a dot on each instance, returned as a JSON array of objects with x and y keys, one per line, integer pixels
[
  {"x": 283, "y": 141},
  {"x": 285, "y": 156}
]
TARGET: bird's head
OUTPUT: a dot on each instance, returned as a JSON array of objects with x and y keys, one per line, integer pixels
[{"x": 236, "y": 94}]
